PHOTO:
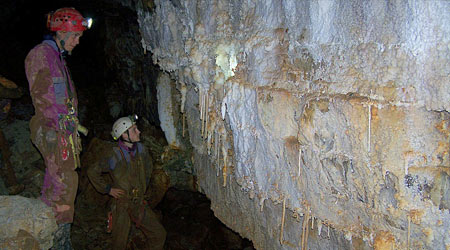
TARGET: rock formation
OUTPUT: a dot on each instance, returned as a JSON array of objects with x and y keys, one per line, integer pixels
[
  {"x": 319, "y": 119},
  {"x": 25, "y": 223}
]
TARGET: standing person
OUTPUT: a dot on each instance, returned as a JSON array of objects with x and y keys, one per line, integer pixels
[
  {"x": 54, "y": 127},
  {"x": 130, "y": 167}
]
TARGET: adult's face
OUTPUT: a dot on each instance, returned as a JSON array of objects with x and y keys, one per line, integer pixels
[
  {"x": 71, "y": 39},
  {"x": 134, "y": 134}
]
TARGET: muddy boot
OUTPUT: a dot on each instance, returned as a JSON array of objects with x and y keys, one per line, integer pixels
[{"x": 61, "y": 238}]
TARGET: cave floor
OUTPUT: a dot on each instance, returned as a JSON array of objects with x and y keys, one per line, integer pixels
[{"x": 186, "y": 216}]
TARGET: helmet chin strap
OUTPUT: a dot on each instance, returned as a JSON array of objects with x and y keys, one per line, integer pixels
[
  {"x": 129, "y": 141},
  {"x": 62, "y": 42}
]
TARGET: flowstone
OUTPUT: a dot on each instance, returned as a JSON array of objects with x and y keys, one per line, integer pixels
[{"x": 314, "y": 112}]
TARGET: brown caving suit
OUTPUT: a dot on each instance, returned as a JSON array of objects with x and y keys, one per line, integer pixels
[{"x": 131, "y": 174}]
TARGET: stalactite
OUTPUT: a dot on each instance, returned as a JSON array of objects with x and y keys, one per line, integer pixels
[
  {"x": 206, "y": 115},
  {"x": 282, "y": 221},
  {"x": 261, "y": 204},
  {"x": 200, "y": 104},
  {"x": 202, "y": 114},
  {"x": 211, "y": 127},
  {"x": 205, "y": 111},
  {"x": 319, "y": 226},
  {"x": 143, "y": 44},
  {"x": 299, "y": 161},
  {"x": 305, "y": 231},
  {"x": 224, "y": 171},
  {"x": 183, "y": 91},
  {"x": 203, "y": 104},
  {"x": 224, "y": 174},
  {"x": 221, "y": 140},
  {"x": 223, "y": 108},
  {"x": 208, "y": 142},
  {"x": 184, "y": 122},
  {"x": 370, "y": 125},
  {"x": 215, "y": 143},
  {"x": 306, "y": 236},
  {"x": 408, "y": 240},
  {"x": 217, "y": 150},
  {"x": 406, "y": 165}
]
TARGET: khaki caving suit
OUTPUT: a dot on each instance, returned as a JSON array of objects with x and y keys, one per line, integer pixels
[{"x": 130, "y": 170}]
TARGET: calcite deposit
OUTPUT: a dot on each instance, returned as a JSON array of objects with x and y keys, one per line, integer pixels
[{"x": 319, "y": 124}]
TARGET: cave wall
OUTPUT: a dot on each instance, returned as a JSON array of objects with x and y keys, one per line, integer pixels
[
  {"x": 319, "y": 123},
  {"x": 129, "y": 72}
]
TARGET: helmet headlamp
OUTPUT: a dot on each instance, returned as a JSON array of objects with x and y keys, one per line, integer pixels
[
  {"x": 87, "y": 22},
  {"x": 133, "y": 118}
]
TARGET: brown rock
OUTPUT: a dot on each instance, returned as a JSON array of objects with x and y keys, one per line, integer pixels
[
  {"x": 8, "y": 89},
  {"x": 7, "y": 83},
  {"x": 159, "y": 185},
  {"x": 25, "y": 223},
  {"x": 384, "y": 241},
  {"x": 96, "y": 151}
]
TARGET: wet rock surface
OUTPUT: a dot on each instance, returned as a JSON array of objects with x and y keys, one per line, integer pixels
[
  {"x": 25, "y": 223},
  {"x": 26, "y": 163}
]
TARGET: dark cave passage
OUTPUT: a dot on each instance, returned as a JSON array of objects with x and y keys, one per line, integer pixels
[{"x": 114, "y": 78}]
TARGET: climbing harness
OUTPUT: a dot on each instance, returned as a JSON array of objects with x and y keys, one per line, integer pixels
[{"x": 109, "y": 223}]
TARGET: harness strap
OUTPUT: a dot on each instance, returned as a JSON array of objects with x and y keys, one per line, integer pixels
[
  {"x": 67, "y": 75},
  {"x": 76, "y": 154},
  {"x": 123, "y": 156},
  {"x": 138, "y": 220},
  {"x": 109, "y": 227}
]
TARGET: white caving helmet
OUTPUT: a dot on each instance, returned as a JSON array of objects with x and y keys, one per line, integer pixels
[{"x": 123, "y": 124}]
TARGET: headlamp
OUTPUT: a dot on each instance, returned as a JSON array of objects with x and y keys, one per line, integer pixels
[
  {"x": 133, "y": 118},
  {"x": 87, "y": 22}
]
